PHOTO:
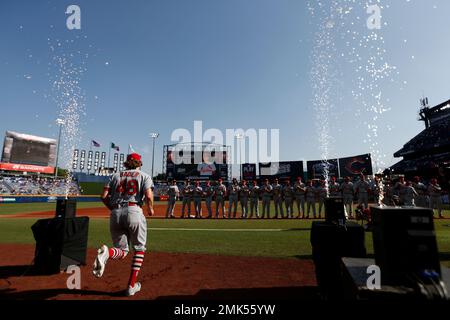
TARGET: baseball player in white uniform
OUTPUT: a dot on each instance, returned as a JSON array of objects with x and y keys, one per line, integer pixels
[
  {"x": 124, "y": 195},
  {"x": 422, "y": 198},
  {"x": 254, "y": 199},
  {"x": 361, "y": 189},
  {"x": 335, "y": 188},
  {"x": 288, "y": 193},
  {"x": 277, "y": 191},
  {"x": 208, "y": 192},
  {"x": 266, "y": 191},
  {"x": 197, "y": 195},
  {"x": 322, "y": 191},
  {"x": 435, "y": 192},
  {"x": 347, "y": 195},
  {"x": 410, "y": 194},
  {"x": 299, "y": 195},
  {"x": 244, "y": 193},
  {"x": 187, "y": 198},
  {"x": 377, "y": 189},
  {"x": 173, "y": 193},
  {"x": 310, "y": 199},
  {"x": 220, "y": 192},
  {"x": 400, "y": 189},
  {"x": 388, "y": 193},
  {"x": 233, "y": 193}
]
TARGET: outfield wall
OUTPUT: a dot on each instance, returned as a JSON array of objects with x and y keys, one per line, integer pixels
[{"x": 43, "y": 199}]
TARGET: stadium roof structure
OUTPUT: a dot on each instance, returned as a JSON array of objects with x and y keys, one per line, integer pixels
[
  {"x": 432, "y": 115},
  {"x": 421, "y": 164},
  {"x": 430, "y": 149},
  {"x": 435, "y": 138}
]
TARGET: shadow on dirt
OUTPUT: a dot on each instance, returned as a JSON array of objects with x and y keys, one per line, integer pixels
[
  {"x": 43, "y": 294},
  {"x": 260, "y": 294}
]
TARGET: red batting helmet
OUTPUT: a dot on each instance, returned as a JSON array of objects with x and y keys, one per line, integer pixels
[
  {"x": 134, "y": 156},
  {"x": 133, "y": 161}
]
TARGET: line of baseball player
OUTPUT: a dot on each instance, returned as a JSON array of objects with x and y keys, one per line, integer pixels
[{"x": 303, "y": 196}]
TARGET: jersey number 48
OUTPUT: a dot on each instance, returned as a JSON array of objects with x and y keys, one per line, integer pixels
[{"x": 128, "y": 187}]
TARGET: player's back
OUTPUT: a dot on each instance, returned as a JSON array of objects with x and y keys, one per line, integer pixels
[
  {"x": 173, "y": 190},
  {"x": 129, "y": 186},
  {"x": 347, "y": 188}
]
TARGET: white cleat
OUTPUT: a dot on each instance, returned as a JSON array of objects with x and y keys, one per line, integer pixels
[
  {"x": 100, "y": 261},
  {"x": 131, "y": 291}
]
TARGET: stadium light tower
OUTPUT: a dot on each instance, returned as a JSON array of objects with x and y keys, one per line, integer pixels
[
  {"x": 153, "y": 135},
  {"x": 60, "y": 123},
  {"x": 240, "y": 137}
]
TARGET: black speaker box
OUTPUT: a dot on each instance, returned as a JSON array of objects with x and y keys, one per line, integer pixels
[
  {"x": 404, "y": 242},
  {"x": 330, "y": 242},
  {"x": 60, "y": 243},
  {"x": 334, "y": 210},
  {"x": 66, "y": 208}
]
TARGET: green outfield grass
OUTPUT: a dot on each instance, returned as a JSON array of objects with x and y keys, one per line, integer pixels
[
  {"x": 293, "y": 241},
  {"x": 13, "y": 208},
  {"x": 91, "y": 188}
]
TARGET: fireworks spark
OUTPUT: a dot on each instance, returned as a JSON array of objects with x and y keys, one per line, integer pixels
[{"x": 66, "y": 71}]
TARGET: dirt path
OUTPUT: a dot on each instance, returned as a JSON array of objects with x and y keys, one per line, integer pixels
[
  {"x": 164, "y": 276},
  {"x": 102, "y": 212}
]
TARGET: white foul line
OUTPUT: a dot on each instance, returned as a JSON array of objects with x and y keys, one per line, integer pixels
[{"x": 227, "y": 230}]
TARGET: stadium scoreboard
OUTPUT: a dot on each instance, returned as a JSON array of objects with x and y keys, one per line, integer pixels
[{"x": 28, "y": 153}]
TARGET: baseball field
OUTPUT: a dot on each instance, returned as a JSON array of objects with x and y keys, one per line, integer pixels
[{"x": 187, "y": 258}]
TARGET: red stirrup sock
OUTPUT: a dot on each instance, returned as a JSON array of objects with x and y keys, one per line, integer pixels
[
  {"x": 138, "y": 259},
  {"x": 116, "y": 253}
]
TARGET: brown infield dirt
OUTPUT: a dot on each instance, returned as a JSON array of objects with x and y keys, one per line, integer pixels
[
  {"x": 179, "y": 276},
  {"x": 103, "y": 212}
]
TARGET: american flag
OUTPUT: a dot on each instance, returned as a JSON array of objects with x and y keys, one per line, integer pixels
[{"x": 95, "y": 144}]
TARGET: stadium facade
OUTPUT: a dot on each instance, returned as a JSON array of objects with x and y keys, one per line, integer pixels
[{"x": 428, "y": 153}]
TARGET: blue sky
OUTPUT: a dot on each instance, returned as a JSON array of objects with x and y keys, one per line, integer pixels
[{"x": 160, "y": 65}]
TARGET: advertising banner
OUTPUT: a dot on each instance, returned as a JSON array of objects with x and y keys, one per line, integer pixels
[
  {"x": 281, "y": 170},
  {"x": 316, "y": 169},
  {"x": 26, "y": 168},
  {"x": 249, "y": 171},
  {"x": 353, "y": 166}
]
